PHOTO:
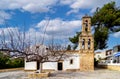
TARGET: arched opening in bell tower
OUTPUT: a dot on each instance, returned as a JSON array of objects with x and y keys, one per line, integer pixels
[
  {"x": 86, "y": 25},
  {"x": 89, "y": 43},
  {"x": 83, "y": 44}
]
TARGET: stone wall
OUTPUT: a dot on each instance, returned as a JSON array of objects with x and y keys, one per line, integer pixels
[
  {"x": 87, "y": 62},
  {"x": 10, "y": 69},
  {"x": 113, "y": 66}
]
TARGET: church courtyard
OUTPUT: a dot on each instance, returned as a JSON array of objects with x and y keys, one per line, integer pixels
[{"x": 97, "y": 74}]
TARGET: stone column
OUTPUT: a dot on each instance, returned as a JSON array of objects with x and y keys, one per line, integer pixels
[
  {"x": 83, "y": 27},
  {"x": 80, "y": 44},
  {"x": 92, "y": 44},
  {"x": 86, "y": 43},
  {"x": 89, "y": 25}
]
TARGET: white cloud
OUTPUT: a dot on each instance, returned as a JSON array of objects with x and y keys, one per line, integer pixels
[
  {"x": 67, "y": 2},
  {"x": 117, "y": 34},
  {"x": 6, "y": 33},
  {"x": 7, "y": 30},
  {"x": 72, "y": 11},
  {"x": 85, "y": 4},
  {"x": 4, "y": 16},
  {"x": 59, "y": 27},
  {"x": 31, "y": 35},
  {"x": 32, "y": 6}
]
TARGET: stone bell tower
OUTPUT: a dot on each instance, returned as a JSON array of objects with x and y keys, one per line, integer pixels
[{"x": 86, "y": 43}]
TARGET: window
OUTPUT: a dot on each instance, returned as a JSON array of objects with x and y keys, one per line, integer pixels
[
  {"x": 110, "y": 52},
  {"x": 83, "y": 44},
  {"x": 71, "y": 61},
  {"x": 89, "y": 44},
  {"x": 86, "y": 25},
  {"x": 106, "y": 53},
  {"x": 86, "y": 29},
  {"x": 37, "y": 47},
  {"x": 46, "y": 48}
]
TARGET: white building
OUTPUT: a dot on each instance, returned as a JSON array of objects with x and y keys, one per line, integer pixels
[
  {"x": 71, "y": 63},
  {"x": 100, "y": 55},
  {"x": 81, "y": 59}
]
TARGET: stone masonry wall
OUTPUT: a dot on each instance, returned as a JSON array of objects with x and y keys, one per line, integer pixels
[{"x": 87, "y": 62}]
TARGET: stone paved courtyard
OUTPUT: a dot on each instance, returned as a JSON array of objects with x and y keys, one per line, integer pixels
[{"x": 97, "y": 74}]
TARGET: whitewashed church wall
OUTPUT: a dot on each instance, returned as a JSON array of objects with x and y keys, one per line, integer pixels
[
  {"x": 75, "y": 65},
  {"x": 30, "y": 65},
  {"x": 50, "y": 65},
  {"x": 54, "y": 65}
]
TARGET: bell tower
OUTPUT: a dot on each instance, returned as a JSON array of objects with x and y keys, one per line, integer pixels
[{"x": 86, "y": 43}]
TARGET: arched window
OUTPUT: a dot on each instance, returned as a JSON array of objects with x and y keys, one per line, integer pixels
[
  {"x": 86, "y": 25},
  {"x": 89, "y": 43},
  {"x": 83, "y": 44}
]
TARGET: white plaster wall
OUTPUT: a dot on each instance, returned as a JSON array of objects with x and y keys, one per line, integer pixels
[
  {"x": 50, "y": 65},
  {"x": 66, "y": 63},
  {"x": 30, "y": 65},
  {"x": 100, "y": 54},
  {"x": 53, "y": 65},
  {"x": 75, "y": 65}
]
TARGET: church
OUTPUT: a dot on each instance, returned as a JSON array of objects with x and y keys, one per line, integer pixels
[{"x": 82, "y": 59}]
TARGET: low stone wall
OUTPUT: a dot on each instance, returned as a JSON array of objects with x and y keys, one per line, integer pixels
[
  {"x": 38, "y": 75},
  {"x": 110, "y": 66},
  {"x": 44, "y": 70},
  {"x": 48, "y": 70},
  {"x": 72, "y": 70},
  {"x": 11, "y": 69}
]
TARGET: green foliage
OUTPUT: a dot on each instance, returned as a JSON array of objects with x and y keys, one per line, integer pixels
[
  {"x": 7, "y": 62},
  {"x": 14, "y": 63},
  {"x": 100, "y": 38},
  {"x": 75, "y": 39},
  {"x": 108, "y": 16},
  {"x": 3, "y": 59},
  {"x": 105, "y": 20}
]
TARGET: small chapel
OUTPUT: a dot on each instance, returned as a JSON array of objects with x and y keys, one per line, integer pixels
[{"x": 82, "y": 59}]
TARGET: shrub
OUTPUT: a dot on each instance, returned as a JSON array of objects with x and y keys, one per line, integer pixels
[
  {"x": 7, "y": 62},
  {"x": 3, "y": 60}
]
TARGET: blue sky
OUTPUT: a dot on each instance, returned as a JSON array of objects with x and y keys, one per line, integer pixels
[{"x": 62, "y": 16}]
